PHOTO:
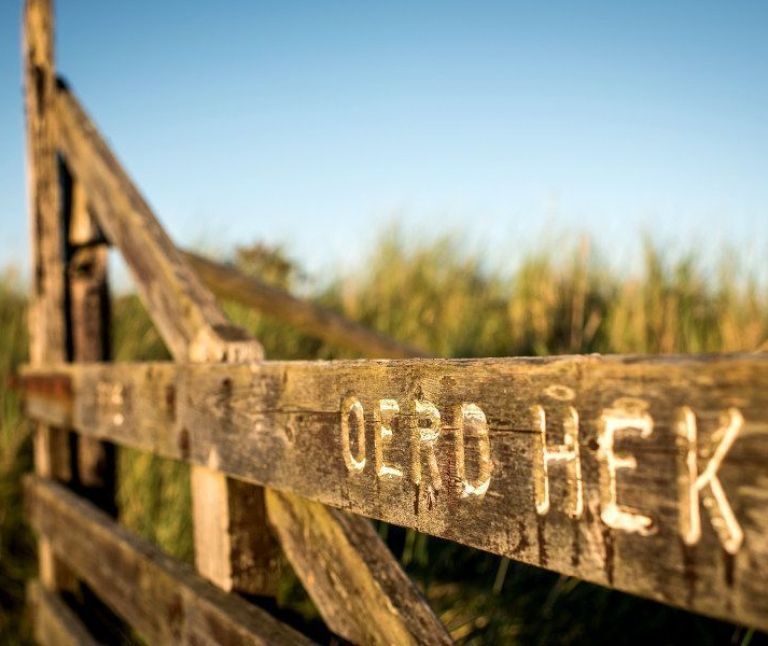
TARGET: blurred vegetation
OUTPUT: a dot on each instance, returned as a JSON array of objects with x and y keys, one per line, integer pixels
[
  {"x": 16, "y": 547},
  {"x": 440, "y": 296}
]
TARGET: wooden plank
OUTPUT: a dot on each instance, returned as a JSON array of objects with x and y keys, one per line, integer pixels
[
  {"x": 54, "y": 622},
  {"x": 185, "y": 313},
  {"x": 48, "y": 335},
  {"x": 161, "y": 598},
  {"x": 48, "y": 338},
  {"x": 639, "y": 473},
  {"x": 89, "y": 321},
  {"x": 234, "y": 545},
  {"x": 345, "y": 557},
  {"x": 229, "y": 283}
]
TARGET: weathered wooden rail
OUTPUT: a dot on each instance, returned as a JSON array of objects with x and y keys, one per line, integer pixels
[{"x": 645, "y": 474}]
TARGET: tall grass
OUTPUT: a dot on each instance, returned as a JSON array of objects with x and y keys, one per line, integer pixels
[
  {"x": 448, "y": 300},
  {"x": 16, "y": 547}
]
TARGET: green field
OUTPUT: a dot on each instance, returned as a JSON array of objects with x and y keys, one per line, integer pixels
[{"x": 447, "y": 299}]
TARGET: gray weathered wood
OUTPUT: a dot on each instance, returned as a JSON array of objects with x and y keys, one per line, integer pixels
[
  {"x": 227, "y": 282},
  {"x": 54, "y": 622},
  {"x": 47, "y": 314},
  {"x": 653, "y": 481},
  {"x": 234, "y": 546},
  {"x": 161, "y": 598},
  {"x": 360, "y": 594},
  {"x": 48, "y": 336},
  {"x": 89, "y": 321},
  {"x": 358, "y": 587}
]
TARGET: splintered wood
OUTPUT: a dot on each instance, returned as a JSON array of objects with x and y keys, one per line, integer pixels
[{"x": 643, "y": 474}]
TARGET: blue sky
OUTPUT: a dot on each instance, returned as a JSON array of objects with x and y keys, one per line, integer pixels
[{"x": 315, "y": 124}]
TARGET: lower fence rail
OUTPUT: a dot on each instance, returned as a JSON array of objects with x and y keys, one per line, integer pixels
[{"x": 164, "y": 600}]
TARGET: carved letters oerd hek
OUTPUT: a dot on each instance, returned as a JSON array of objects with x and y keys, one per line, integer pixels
[{"x": 698, "y": 481}]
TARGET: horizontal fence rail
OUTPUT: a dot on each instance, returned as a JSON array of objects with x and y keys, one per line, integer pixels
[
  {"x": 228, "y": 282},
  {"x": 162, "y": 598},
  {"x": 642, "y": 474}
]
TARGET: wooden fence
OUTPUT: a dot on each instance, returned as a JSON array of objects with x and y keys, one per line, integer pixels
[{"x": 644, "y": 474}]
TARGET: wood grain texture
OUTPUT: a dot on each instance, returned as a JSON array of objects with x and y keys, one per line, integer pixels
[
  {"x": 89, "y": 323},
  {"x": 229, "y": 283},
  {"x": 185, "y": 313},
  {"x": 234, "y": 545},
  {"x": 359, "y": 588},
  {"x": 54, "y": 623},
  {"x": 48, "y": 338},
  {"x": 444, "y": 426},
  {"x": 160, "y": 597},
  {"x": 362, "y": 593}
]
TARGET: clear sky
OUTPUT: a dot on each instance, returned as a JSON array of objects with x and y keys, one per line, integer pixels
[{"x": 316, "y": 123}]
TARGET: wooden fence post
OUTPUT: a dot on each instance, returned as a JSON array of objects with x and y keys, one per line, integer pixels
[
  {"x": 69, "y": 305},
  {"x": 234, "y": 544},
  {"x": 89, "y": 320},
  {"x": 47, "y": 320}
]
